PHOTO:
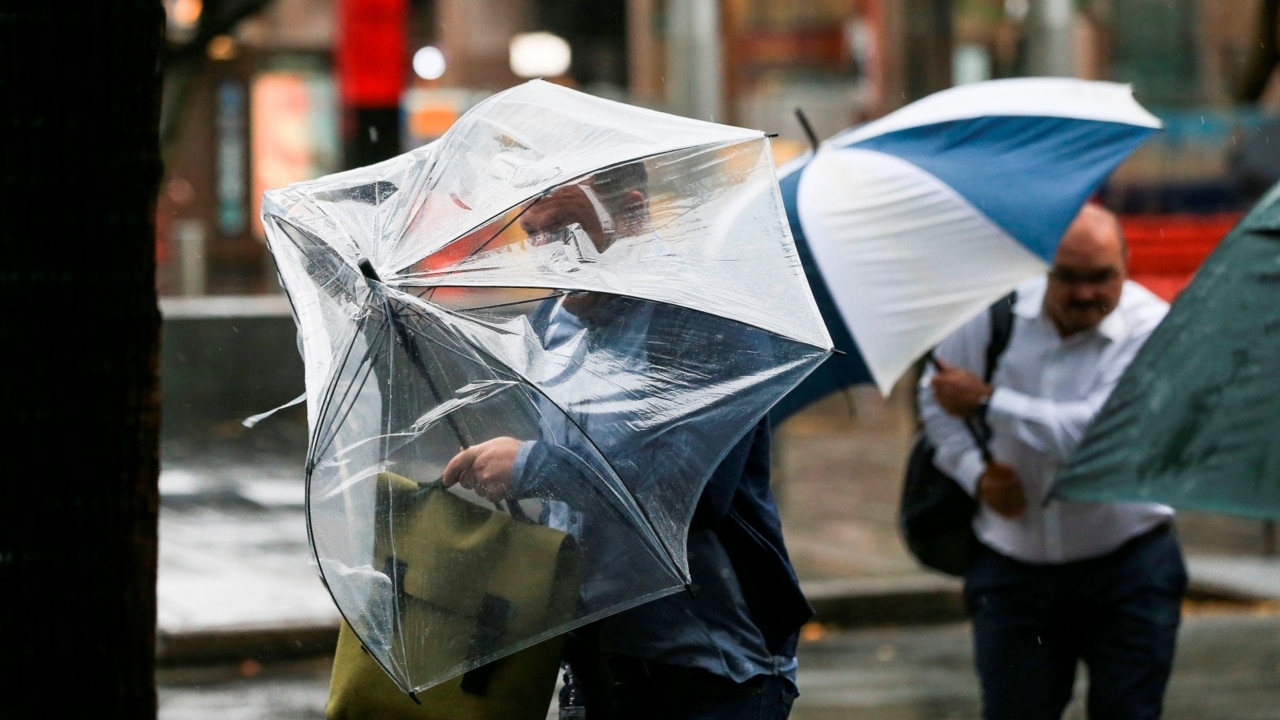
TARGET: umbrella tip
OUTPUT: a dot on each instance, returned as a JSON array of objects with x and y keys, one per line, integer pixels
[
  {"x": 366, "y": 268},
  {"x": 808, "y": 129}
]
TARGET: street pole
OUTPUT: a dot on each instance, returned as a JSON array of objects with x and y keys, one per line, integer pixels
[
  {"x": 371, "y": 70},
  {"x": 693, "y": 73},
  {"x": 1051, "y": 47}
]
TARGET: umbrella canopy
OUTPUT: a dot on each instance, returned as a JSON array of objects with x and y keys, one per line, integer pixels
[
  {"x": 918, "y": 221},
  {"x": 1192, "y": 422},
  {"x": 626, "y": 349}
]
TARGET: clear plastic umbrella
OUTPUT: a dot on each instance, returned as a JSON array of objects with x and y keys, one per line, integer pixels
[{"x": 611, "y": 289}]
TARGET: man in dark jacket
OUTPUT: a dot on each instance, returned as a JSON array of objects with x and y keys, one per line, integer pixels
[{"x": 725, "y": 647}]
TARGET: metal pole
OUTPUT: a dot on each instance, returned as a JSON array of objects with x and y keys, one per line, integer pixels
[
  {"x": 1051, "y": 47},
  {"x": 189, "y": 236},
  {"x": 693, "y": 74}
]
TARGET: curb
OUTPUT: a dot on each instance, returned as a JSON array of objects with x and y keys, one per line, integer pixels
[
  {"x": 867, "y": 602},
  {"x": 850, "y": 603},
  {"x": 220, "y": 646},
  {"x": 859, "y": 602}
]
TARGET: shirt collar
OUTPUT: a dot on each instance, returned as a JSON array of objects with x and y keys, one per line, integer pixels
[{"x": 1114, "y": 326}]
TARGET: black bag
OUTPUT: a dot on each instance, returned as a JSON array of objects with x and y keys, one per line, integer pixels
[{"x": 935, "y": 515}]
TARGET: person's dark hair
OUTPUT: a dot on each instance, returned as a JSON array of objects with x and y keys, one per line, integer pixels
[{"x": 612, "y": 184}]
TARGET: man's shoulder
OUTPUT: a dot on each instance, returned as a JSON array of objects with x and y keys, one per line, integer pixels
[
  {"x": 1137, "y": 295},
  {"x": 1143, "y": 310}
]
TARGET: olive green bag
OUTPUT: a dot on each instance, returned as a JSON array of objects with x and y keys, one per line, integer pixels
[{"x": 525, "y": 573}]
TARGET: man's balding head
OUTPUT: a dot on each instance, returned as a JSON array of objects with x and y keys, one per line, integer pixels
[{"x": 1088, "y": 272}]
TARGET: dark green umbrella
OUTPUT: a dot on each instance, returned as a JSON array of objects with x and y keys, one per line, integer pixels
[{"x": 1195, "y": 420}]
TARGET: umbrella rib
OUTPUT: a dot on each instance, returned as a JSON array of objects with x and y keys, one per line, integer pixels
[
  {"x": 329, "y": 398},
  {"x": 634, "y": 507},
  {"x": 495, "y": 306},
  {"x": 631, "y": 504},
  {"x": 315, "y": 453},
  {"x": 627, "y": 499},
  {"x": 499, "y": 231},
  {"x": 415, "y": 358},
  {"x": 546, "y": 193}
]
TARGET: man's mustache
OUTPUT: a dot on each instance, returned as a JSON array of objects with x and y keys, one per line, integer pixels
[{"x": 1102, "y": 305}]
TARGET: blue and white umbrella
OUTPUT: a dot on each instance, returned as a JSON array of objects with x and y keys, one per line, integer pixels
[{"x": 912, "y": 224}]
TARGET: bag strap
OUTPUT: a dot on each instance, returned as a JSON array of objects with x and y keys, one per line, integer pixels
[{"x": 1001, "y": 312}]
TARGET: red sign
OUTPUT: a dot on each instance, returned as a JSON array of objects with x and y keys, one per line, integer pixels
[
  {"x": 1166, "y": 250},
  {"x": 370, "y": 57}
]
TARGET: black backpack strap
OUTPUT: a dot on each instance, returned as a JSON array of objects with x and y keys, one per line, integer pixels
[
  {"x": 1001, "y": 312},
  {"x": 1001, "y": 330}
]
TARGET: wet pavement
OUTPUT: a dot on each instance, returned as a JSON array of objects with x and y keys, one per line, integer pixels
[
  {"x": 1227, "y": 668},
  {"x": 245, "y": 625}
]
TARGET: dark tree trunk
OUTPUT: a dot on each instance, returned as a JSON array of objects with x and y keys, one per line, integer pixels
[
  {"x": 926, "y": 47},
  {"x": 79, "y": 168},
  {"x": 1264, "y": 55}
]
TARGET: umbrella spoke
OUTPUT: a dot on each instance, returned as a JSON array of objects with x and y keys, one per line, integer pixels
[{"x": 345, "y": 395}]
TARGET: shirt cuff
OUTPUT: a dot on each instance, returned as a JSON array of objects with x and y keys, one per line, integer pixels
[
  {"x": 1006, "y": 403},
  {"x": 969, "y": 471},
  {"x": 518, "y": 482}
]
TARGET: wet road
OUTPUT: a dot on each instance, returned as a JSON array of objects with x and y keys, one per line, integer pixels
[
  {"x": 1228, "y": 668},
  {"x": 233, "y": 551}
]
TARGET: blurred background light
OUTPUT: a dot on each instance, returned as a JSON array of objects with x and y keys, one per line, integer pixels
[
  {"x": 184, "y": 14},
  {"x": 539, "y": 54},
  {"x": 222, "y": 47},
  {"x": 428, "y": 63}
]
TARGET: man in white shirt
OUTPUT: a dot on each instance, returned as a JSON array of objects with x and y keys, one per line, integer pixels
[{"x": 1054, "y": 582}]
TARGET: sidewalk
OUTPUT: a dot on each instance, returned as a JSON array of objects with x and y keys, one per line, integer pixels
[{"x": 236, "y": 579}]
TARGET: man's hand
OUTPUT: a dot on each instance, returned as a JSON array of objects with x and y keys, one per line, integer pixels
[
  {"x": 562, "y": 208},
  {"x": 484, "y": 468},
  {"x": 1001, "y": 490},
  {"x": 957, "y": 390}
]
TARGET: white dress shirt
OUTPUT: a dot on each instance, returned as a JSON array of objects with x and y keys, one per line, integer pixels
[{"x": 1047, "y": 390}]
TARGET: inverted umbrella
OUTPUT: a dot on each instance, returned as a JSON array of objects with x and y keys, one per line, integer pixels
[
  {"x": 914, "y": 223},
  {"x": 1192, "y": 422},
  {"x": 626, "y": 349}
]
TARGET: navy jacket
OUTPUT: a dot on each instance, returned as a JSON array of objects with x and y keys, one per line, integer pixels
[{"x": 736, "y": 503}]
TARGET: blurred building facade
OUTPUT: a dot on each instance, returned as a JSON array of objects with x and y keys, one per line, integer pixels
[{"x": 274, "y": 96}]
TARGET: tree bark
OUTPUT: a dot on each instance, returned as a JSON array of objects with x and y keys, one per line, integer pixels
[
  {"x": 1264, "y": 55},
  {"x": 79, "y": 389}
]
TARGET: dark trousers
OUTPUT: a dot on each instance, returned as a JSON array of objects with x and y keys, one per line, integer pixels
[
  {"x": 622, "y": 688},
  {"x": 1118, "y": 613}
]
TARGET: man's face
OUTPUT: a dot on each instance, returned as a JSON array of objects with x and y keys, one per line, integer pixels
[{"x": 1088, "y": 273}]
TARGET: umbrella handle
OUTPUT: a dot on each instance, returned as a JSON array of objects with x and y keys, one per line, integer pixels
[{"x": 510, "y": 505}]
